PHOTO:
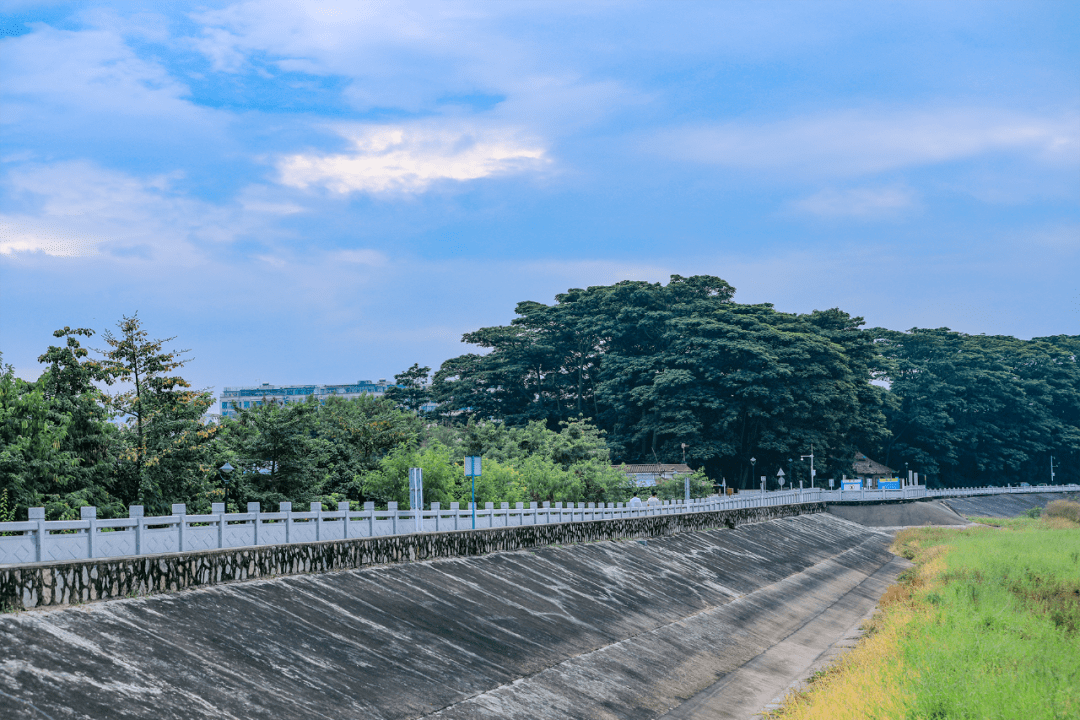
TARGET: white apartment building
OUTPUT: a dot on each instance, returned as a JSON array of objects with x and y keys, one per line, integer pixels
[{"x": 249, "y": 396}]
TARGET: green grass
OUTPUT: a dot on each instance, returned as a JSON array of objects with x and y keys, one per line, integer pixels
[
  {"x": 987, "y": 625},
  {"x": 1002, "y": 639},
  {"x": 1022, "y": 521}
]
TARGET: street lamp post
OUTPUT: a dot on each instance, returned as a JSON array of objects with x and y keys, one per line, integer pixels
[
  {"x": 812, "y": 471},
  {"x": 225, "y": 470},
  {"x": 753, "y": 469}
]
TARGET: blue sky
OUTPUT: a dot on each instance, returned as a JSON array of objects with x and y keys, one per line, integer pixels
[{"x": 329, "y": 192}]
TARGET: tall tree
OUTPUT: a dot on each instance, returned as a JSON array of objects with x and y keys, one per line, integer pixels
[
  {"x": 32, "y": 463},
  {"x": 166, "y": 449},
  {"x": 70, "y": 384}
]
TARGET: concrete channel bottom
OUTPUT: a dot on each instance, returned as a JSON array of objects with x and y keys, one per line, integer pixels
[
  {"x": 762, "y": 683},
  {"x": 709, "y": 624}
]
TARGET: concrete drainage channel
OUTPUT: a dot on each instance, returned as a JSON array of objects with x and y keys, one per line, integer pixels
[
  {"x": 705, "y": 624},
  {"x": 608, "y": 629}
]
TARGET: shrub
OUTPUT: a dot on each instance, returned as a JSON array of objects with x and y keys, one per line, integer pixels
[
  {"x": 1032, "y": 512},
  {"x": 1064, "y": 509}
]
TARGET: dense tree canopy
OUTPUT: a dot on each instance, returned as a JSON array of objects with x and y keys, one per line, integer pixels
[
  {"x": 661, "y": 366},
  {"x": 967, "y": 409}
]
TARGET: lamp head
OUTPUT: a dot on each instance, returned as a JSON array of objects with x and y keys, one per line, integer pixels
[{"x": 226, "y": 468}]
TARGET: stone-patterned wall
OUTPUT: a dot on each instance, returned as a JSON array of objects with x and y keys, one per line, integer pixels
[{"x": 77, "y": 581}]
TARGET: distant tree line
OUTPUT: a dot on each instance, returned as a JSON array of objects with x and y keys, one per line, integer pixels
[{"x": 634, "y": 372}]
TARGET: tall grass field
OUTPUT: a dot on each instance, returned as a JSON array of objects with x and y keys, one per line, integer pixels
[{"x": 985, "y": 625}]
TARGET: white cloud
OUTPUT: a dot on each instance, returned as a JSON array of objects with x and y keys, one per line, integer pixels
[
  {"x": 856, "y": 142},
  {"x": 401, "y": 158},
  {"x": 55, "y": 241},
  {"x": 78, "y": 208},
  {"x": 857, "y": 202}
]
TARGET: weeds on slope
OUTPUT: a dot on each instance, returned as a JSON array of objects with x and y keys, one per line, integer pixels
[{"x": 985, "y": 625}]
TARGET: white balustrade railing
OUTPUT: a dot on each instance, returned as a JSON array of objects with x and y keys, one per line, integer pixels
[{"x": 40, "y": 540}]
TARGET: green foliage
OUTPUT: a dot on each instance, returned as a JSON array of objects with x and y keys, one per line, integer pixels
[
  {"x": 69, "y": 384},
  {"x": 32, "y": 430},
  {"x": 165, "y": 443},
  {"x": 629, "y": 372},
  {"x": 675, "y": 489},
  {"x": 300, "y": 452},
  {"x": 7, "y": 510},
  {"x": 974, "y": 409},
  {"x": 658, "y": 366},
  {"x": 571, "y": 464},
  {"x": 274, "y": 451},
  {"x": 411, "y": 391},
  {"x": 390, "y": 482},
  {"x": 529, "y": 464}
]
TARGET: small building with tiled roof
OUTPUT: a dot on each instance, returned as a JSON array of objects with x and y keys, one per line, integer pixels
[
  {"x": 870, "y": 470},
  {"x": 647, "y": 475}
]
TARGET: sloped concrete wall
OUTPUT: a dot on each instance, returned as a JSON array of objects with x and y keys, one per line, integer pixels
[
  {"x": 1005, "y": 505},
  {"x": 610, "y": 629},
  {"x": 79, "y": 581}
]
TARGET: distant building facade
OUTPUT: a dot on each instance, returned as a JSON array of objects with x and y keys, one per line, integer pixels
[
  {"x": 238, "y": 398},
  {"x": 649, "y": 474}
]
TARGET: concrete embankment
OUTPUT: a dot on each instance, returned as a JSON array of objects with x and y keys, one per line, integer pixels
[
  {"x": 897, "y": 514},
  {"x": 59, "y": 583},
  {"x": 608, "y": 629},
  {"x": 1004, "y": 506}
]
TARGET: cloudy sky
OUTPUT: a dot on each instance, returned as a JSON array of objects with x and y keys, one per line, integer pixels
[{"x": 329, "y": 192}]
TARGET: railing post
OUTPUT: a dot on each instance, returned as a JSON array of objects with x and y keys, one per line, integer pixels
[
  {"x": 219, "y": 510},
  {"x": 253, "y": 507},
  {"x": 286, "y": 507},
  {"x": 436, "y": 509},
  {"x": 392, "y": 509},
  {"x": 181, "y": 510},
  {"x": 38, "y": 515},
  {"x": 316, "y": 507},
  {"x": 455, "y": 509},
  {"x": 136, "y": 512},
  {"x": 89, "y": 514},
  {"x": 369, "y": 508},
  {"x": 344, "y": 506}
]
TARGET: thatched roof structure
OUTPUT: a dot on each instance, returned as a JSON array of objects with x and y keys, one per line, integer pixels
[{"x": 865, "y": 467}]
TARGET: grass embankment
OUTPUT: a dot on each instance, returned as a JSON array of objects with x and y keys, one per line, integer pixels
[{"x": 986, "y": 625}]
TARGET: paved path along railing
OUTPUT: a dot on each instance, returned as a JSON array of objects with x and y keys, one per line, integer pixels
[{"x": 40, "y": 540}]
